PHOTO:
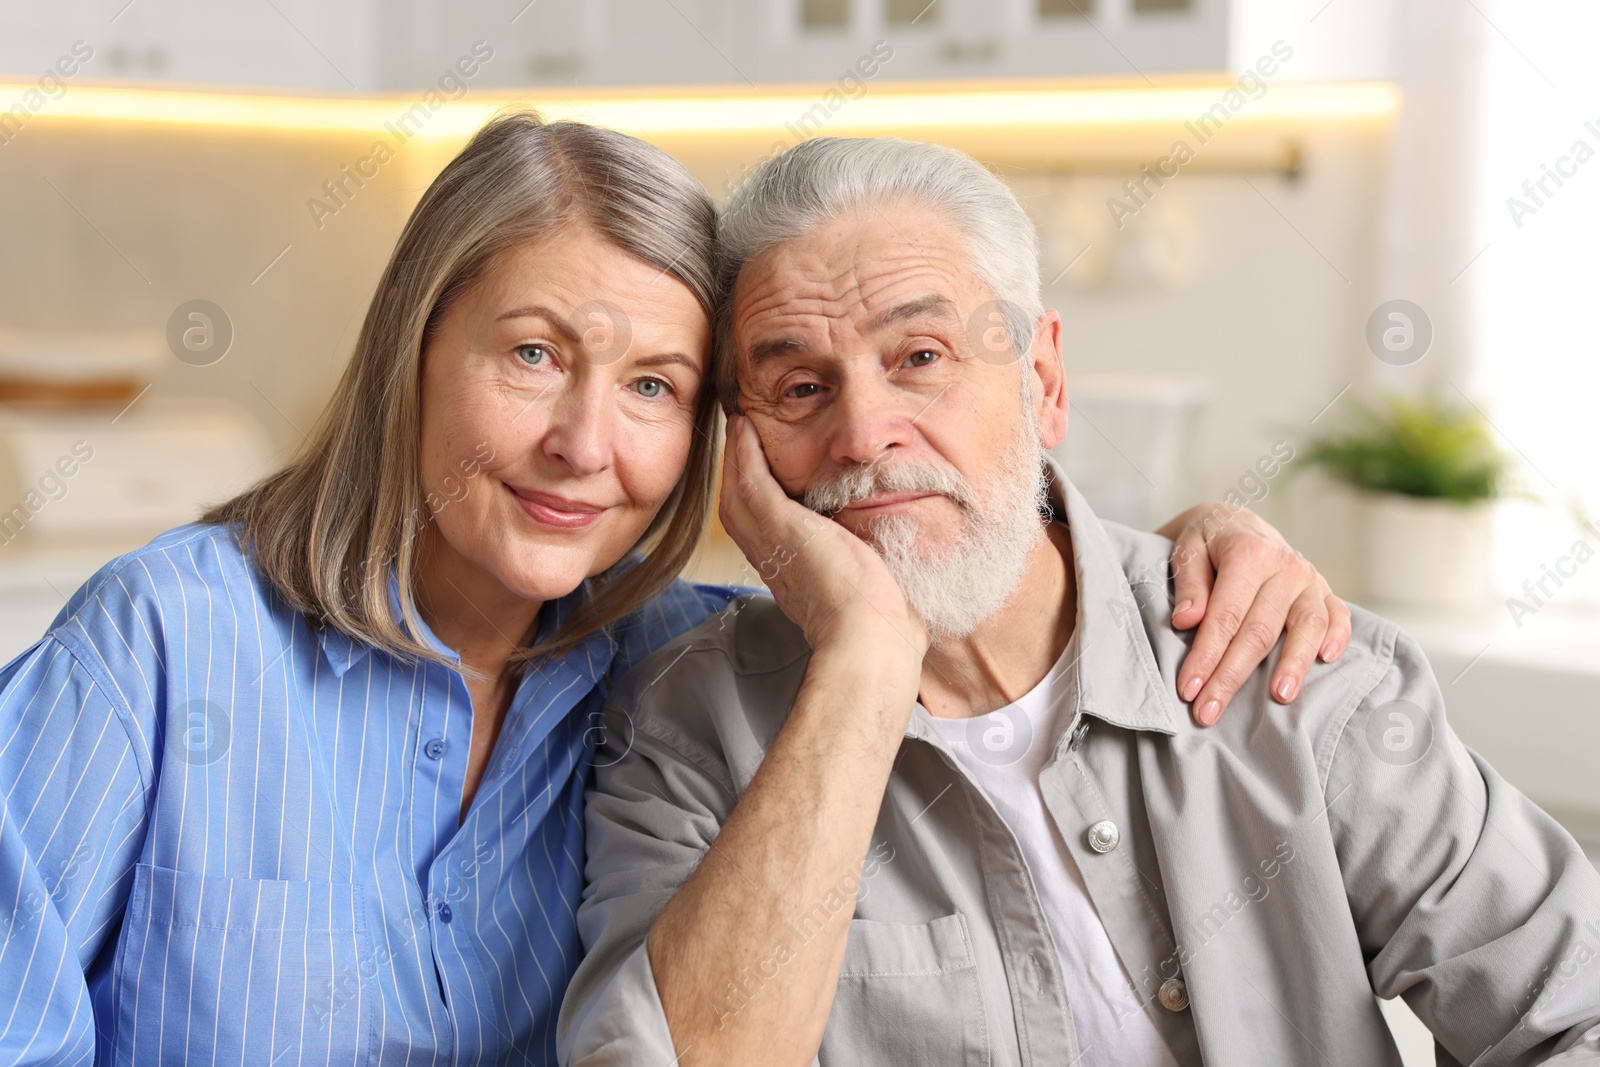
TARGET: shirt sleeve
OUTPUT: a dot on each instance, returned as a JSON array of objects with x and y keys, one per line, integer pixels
[
  {"x": 678, "y": 609},
  {"x": 71, "y": 828},
  {"x": 1470, "y": 901},
  {"x": 651, "y": 816}
]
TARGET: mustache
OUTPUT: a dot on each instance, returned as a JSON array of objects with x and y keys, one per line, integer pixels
[{"x": 832, "y": 493}]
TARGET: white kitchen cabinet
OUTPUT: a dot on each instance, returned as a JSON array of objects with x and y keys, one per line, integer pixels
[
  {"x": 546, "y": 42},
  {"x": 1007, "y": 38},
  {"x": 340, "y": 45},
  {"x": 321, "y": 45},
  {"x": 611, "y": 42},
  {"x": 573, "y": 42}
]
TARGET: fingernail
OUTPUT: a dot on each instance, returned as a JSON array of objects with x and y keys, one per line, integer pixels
[
  {"x": 1328, "y": 650},
  {"x": 1286, "y": 690},
  {"x": 1210, "y": 711},
  {"x": 1190, "y": 689},
  {"x": 1181, "y": 608}
]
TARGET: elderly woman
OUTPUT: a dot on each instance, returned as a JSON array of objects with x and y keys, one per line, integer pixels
[{"x": 303, "y": 781}]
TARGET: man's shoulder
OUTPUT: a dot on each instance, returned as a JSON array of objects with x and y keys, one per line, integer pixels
[
  {"x": 1331, "y": 692},
  {"x": 741, "y": 665},
  {"x": 751, "y": 635},
  {"x": 1145, "y": 557}
]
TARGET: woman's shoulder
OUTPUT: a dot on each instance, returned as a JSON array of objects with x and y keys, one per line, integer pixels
[
  {"x": 677, "y": 609},
  {"x": 190, "y": 574},
  {"x": 148, "y": 618}
]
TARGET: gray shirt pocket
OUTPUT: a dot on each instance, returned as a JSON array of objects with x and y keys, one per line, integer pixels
[{"x": 908, "y": 994}]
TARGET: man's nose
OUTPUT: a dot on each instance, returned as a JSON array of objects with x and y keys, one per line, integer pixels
[
  {"x": 582, "y": 431},
  {"x": 869, "y": 420}
]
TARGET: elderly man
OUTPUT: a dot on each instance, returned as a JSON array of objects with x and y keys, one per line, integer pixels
[{"x": 934, "y": 804}]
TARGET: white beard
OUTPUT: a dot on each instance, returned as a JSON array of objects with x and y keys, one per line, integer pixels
[{"x": 953, "y": 591}]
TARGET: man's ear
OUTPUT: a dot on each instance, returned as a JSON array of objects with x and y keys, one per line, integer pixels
[{"x": 1049, "y": 379}]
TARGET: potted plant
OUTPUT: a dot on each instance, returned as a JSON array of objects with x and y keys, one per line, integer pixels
[{"x": 1428, "y": 471}]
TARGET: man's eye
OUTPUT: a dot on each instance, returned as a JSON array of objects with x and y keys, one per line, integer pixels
[
  {"x": 921, "y": 359},
  {"x": 532, "y": 355},
  {"x": 650, "y": 388}
]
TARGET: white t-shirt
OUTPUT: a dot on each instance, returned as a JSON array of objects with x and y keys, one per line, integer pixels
[{"x": 1005, "y": 750}]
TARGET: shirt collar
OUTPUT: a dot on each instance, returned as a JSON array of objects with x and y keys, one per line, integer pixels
[
  {"x": 1117, "y": 680},
  {"x": 342, "y": 652}
]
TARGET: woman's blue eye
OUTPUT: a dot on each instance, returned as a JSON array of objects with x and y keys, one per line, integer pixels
[
  {"x": 532, "y": 355},
  {"x": 921, "y": 359},
  {"x": 649, "y": 388}
]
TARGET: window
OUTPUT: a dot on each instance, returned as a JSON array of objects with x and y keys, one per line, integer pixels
[
  {"x": 905, "y": 12},
  {"x": 1534, "y": 283},
  {"x": 824, "y": 14},
  {"x": 1055, "y": 9}
]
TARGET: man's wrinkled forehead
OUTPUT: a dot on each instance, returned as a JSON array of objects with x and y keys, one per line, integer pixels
[{"x": 864, "y": 274}]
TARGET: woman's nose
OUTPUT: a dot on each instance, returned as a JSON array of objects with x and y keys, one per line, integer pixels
[{"x": 581, "y": 435}]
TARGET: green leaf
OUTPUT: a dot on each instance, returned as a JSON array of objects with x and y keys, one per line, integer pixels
[{"x": 1422, "y": 447}]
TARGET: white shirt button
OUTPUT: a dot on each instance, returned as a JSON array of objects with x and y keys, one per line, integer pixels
[
  {"x": 1174, "y": 995},
  {"x": 1104, "y": 836}
]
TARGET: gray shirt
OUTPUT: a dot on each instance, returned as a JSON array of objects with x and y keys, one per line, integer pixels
[{"x": 1260, "y": 879}]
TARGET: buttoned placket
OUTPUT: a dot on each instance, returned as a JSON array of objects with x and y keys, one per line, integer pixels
[
  {"x": 445, "y": 860},
  {"x": 546, "y": 694},
  {"x": 443, "y": 741},
  {"x": 1039, "y": 1004},
  {"x": 1091, "y": 791},
  {"x": 441, "y": 745}
]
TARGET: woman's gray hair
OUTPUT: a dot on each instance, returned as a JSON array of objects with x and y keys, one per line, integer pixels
[{"x": 831, "y": 177}]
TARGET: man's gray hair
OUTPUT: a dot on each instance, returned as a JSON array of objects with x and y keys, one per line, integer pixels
[{"x": 832, "y": 177}]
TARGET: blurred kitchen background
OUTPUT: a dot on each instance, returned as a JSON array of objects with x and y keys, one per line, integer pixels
[{"x": 1372, "y": 200}]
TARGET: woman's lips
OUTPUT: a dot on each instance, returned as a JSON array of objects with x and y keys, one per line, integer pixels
[{"x": 558, "y": 513}]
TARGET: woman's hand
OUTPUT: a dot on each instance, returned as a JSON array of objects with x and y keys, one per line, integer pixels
[
  {"x": 825, "y": 578},
  {"x": 1237, "y": 577}
]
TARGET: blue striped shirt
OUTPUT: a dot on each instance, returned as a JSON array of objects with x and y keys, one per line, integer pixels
[{"x": 231, "y": 838}]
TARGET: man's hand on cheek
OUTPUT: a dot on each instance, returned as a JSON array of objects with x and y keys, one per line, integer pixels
[
  {"x": 829, "y": 581},
  {"x": 1244, "y": 585}
]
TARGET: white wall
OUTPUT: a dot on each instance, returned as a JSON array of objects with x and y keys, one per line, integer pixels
[
  {"x": 111, "y": 228},
  {"x": 1337, "y": 40}
]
